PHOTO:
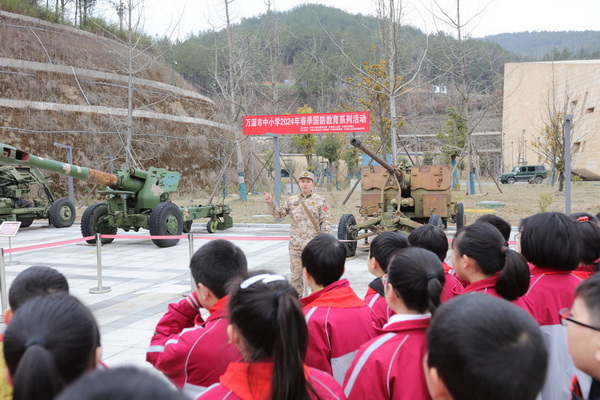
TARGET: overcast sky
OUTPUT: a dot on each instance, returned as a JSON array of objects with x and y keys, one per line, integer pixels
[{"x": 161, "y": 17}]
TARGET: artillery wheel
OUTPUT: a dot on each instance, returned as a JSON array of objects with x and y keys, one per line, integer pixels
[
  {"x": 187, "y": 226},
  {"x": 345, "y": 232},
  {"x": 212, "y": 225},
  {"x": 538, "y": 180},
  {"x": 165, "y": 220},
  {"x": 25, "y": 222},
  {"x": 62, "y": 213},
  {"x": 436, "y": 220},
  {"x": 90, "y": 218},
  {"x": 460, "y": 216},
  {"x": 511, "y": 180}
]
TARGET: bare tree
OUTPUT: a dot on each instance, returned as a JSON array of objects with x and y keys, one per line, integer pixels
[
  {"x": 456, "y": 67},
  {"x": 400, "y": 58}
]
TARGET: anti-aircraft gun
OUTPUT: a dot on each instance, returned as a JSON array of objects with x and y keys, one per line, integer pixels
[
  {"x": 26, "y": 196},
  {"x": 399, "y": 199},
  {"x": 136, "y": 199}
]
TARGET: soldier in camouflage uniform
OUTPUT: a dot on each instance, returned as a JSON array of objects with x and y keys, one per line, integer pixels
[{"x": 303, "y": 227}]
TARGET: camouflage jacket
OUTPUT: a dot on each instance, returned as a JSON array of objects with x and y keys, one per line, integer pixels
[{"x": 302, "y": 229}]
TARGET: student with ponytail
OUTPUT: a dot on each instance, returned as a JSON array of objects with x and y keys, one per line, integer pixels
[
  {"x": 480, "y": 256},
  {"x": 267, "y": 325},
  {"x": 50, "y": 342},
  {"x": 390, "y": 366},
  {"x": 589, "y": 232}
]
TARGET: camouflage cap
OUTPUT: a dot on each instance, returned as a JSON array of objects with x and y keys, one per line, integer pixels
[{"x": 307, "y": 174}]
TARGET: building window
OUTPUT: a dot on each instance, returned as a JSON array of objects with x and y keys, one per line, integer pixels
[{"x": 589, "y": 110}]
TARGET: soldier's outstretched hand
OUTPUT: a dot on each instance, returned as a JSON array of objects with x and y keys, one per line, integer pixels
[{"x": 268, "y": 197}]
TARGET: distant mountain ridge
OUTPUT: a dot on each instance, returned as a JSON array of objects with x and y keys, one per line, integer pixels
[{"x": 536, "y": 45}]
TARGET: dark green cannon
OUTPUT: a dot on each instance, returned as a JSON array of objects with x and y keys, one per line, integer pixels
[
  {"x": 136, "y": 199},
  {"x": 25, "y": 196}
]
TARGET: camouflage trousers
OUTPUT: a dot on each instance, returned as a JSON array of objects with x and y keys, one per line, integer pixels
[{"x": 296, "y": 269}]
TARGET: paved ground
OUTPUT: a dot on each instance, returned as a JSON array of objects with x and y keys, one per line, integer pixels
[{"x": 143, "y": 278}]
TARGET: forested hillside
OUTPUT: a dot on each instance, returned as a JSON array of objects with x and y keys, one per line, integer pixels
[
  {"x": 316, "y": 44},
  {"x": 551, "y": 46}
]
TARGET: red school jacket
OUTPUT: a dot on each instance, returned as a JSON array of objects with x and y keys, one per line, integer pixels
[
  {"x": 390, "y": 366},
  {"x": 338, "y": 324},
  {"x": 252, "y": 381},
  {"x": 549, "y": 292},
  {"x": 375, "y": 299},
  {"x": 192, "y": 353}
]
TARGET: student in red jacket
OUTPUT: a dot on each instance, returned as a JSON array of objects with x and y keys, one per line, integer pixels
[
  {"x": 380, "y": 252},
  {"x": 191, "y": 352},
  {"x": 338, "y": 321},
  {"x": 267, "y": 326},
  {"x": 390, "y": 365},
  {"x": 583, "y": 330},
  {"x": 50, "y": 342},
  {"x": 432, "y": 238},
  {"x": 481, "y": 257},
  {"x": 589, "y": 231},
  {"x": 482, "y": 347},
  {"x": 550, "y": 241}
]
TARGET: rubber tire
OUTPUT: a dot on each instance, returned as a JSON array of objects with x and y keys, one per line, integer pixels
[
  {"x": 26, "y": 222},
  {"x": 511, "y": 181},
  {"x": 187, "y": 226},
  {"x": 62, "y": 213},
  {"x": 538, "y": 180},
  {"x": 166, "y": 219},
  {"x": 91, "y": 215},
  {"x": 212, "y": 225},
  {"x": 460, "y": 215},
  {"x": 435, "y": 220},
  {"x": 343, "y": 233}
]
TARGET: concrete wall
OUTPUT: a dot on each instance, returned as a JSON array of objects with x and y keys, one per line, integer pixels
[{"x": 532, "y": 91}]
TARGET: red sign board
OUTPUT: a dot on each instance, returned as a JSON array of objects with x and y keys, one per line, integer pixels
[{"x": 307, "y": 123}]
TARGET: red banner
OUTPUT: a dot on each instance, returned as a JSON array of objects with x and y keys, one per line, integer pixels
[{"x": 307, "y": 123}]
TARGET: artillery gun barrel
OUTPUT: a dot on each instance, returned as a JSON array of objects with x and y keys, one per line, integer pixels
[
  {"x": 12, "y": 155},
  {"x": 356, "y": 143}
]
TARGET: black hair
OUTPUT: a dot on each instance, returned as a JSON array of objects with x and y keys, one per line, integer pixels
[
  {"x": 324, "y": 258},
  {"x": 550, "y": 240},
  {"x": 385, "y": 245},
  {"x": 216, "y": 263},
  {"x": 484, "y": 347},
  {"x": 577, "y": 215},
  {"x": 50, "y": 342},
  {"x": 589, "y": 291},
  {"x": 417, "y": 276},
  {"x": 34, "y": 282},
  {"x": 269, "y": 317},
  {"x": 432, "y": 238},
  {"x": 500, "y": 223},
  {"x": 486, "y": 245},
  {"x": 121, "y": 383},
  {"x": 589, "y": 231}
]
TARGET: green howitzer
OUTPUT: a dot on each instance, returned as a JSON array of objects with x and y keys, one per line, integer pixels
[
  {"x": 25, "y": 197},
  {"x": 136, "y": 199}
]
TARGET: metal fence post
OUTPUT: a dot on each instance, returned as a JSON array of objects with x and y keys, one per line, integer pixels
[
  {"x": 4, "y": 294},
  {"x": 191, "y": 251},
  {"x": 99, "y": 289}
]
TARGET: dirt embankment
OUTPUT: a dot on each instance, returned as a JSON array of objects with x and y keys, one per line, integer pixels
[{"x": 60, "y": 84}]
